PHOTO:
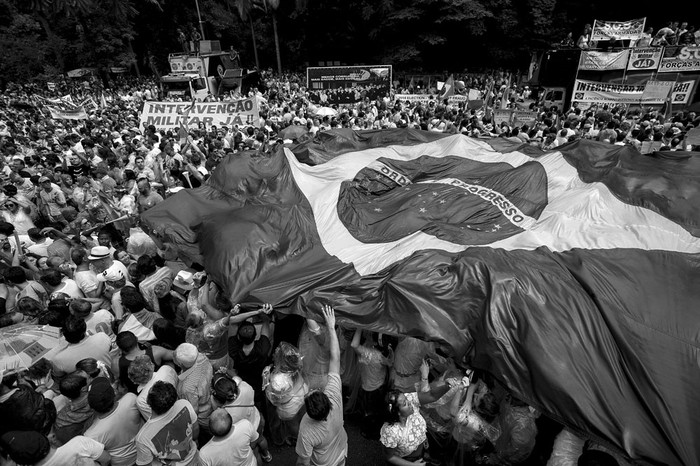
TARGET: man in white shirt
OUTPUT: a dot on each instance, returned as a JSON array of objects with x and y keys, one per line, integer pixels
[
  {"x": 117, "y": 422},
  {"x": 168, "y": 437},
  {"x": 96, "y": 321},
  {"x": 141, "y": 373},
  {"x": 231, "y": 443},
  {"x": 78, "y": 347},
  {"x": 322, "y": 438}
]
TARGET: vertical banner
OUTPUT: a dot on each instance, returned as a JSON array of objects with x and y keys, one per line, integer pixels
[{"x": 618, "y": 30}]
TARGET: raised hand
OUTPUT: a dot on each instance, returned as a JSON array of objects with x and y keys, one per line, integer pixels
[{"x": 329, "y": 315}]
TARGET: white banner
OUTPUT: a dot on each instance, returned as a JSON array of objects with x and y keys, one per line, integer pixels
[
  {"x": 599, "y": 61},
  {"x": 681, "y": 92},
  {"x": 78, "y": 113},
  {"x": 618, "y": 30},
  {"x": 610, "y": 93},
  {"x": 523, "y": 117},
  {"x": 678, "y": 59},
  {"x": 168, "y": 115},
  {"x": 425, "y": 98},
  {"x": 645, "y": 58},
  {"x": 656, "y": 90}
]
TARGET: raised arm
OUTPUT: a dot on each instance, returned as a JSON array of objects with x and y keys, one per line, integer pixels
[
  {"x": 356, "y": 339},
  {"x": 329, "y": 316}
]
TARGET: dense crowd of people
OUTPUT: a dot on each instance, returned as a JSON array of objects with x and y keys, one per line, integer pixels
[{"x": 156, "y": 366}]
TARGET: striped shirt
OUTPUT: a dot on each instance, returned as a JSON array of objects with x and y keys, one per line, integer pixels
[{"x": 195, "y": 386}]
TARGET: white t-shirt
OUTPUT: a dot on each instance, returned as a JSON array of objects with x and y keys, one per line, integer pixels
[
  {"x": 166, "y": 374},
  {"x": 100, "y": 321},
  {"x": 94, "y": 346},
  {"x": 79, "y": 450},
  {"x": 41, "y": 249},
  {"x": 86, "y": 281},
  {"x": 69, "y": 288},
  {"x": 167, "y": 439},
  {"x": 234, "y": 448},
  {"x": 117, "y": 431}
]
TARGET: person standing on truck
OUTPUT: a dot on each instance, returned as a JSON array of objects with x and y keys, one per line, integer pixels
[
  {"x": 183, "y": 40},
  {"x": 195, "y": 37},
  {"x": 584, "y": 40}
]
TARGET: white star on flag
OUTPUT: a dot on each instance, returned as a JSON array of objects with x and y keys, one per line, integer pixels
[
  {"x": 422, "y": 210},
  {"x": 442, "y": 201},
  {"x": 377, "y": 209},
  {"x": 497, "y": 226}
]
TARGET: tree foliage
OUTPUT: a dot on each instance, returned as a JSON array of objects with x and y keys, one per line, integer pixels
[{"x": 37, "y": 36}]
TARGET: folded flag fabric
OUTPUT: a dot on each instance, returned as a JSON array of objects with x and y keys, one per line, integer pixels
[{"x": 570, "y": 276}]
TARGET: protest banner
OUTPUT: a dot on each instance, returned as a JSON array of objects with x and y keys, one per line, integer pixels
[
  {"x": 681, "y": 92},
  {"x": 644, "y": 58},
  {"x": 656, "y": 90},
  {"x": 618, "y": 30},
  {"x": 591, "y": 92},
  {"x": 521, "y": 117},
  {"x": 457, "y": 98},
  {"x": 168, "y": 115},
  {"x": 502, "y": 116},
  {"x": 600, "y": 61},
  {"x": 77, "y": 113},
  {"x": 414, "y": 98},
  {"x": 89, "y": 104},
  {"x": 607, "y": 93},
  {"x": 425, "y": 98},
  {"x": 474, "y": 94},
  {"x": 677, "y": 59},
  {"x": 348, "y": 84}
]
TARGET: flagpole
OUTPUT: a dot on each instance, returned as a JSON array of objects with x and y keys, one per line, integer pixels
[{"x": 199, "y": 16}]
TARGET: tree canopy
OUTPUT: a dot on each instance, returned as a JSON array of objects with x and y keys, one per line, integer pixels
[{"x": 43, "y": 37}]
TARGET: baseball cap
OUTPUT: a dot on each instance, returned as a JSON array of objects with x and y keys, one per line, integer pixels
[
  {"x": 44, "y": 179},
  {"x": 112, "y": 274}
]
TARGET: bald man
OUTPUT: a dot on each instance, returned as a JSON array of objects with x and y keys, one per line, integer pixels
[{"x": 230, "y": 444}]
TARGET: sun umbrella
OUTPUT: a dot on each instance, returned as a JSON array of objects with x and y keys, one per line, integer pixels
[
  {"x": 326, "y": 111},
  {"x": 21, "y": 345},
  {"x": 292, "y": 132}
]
